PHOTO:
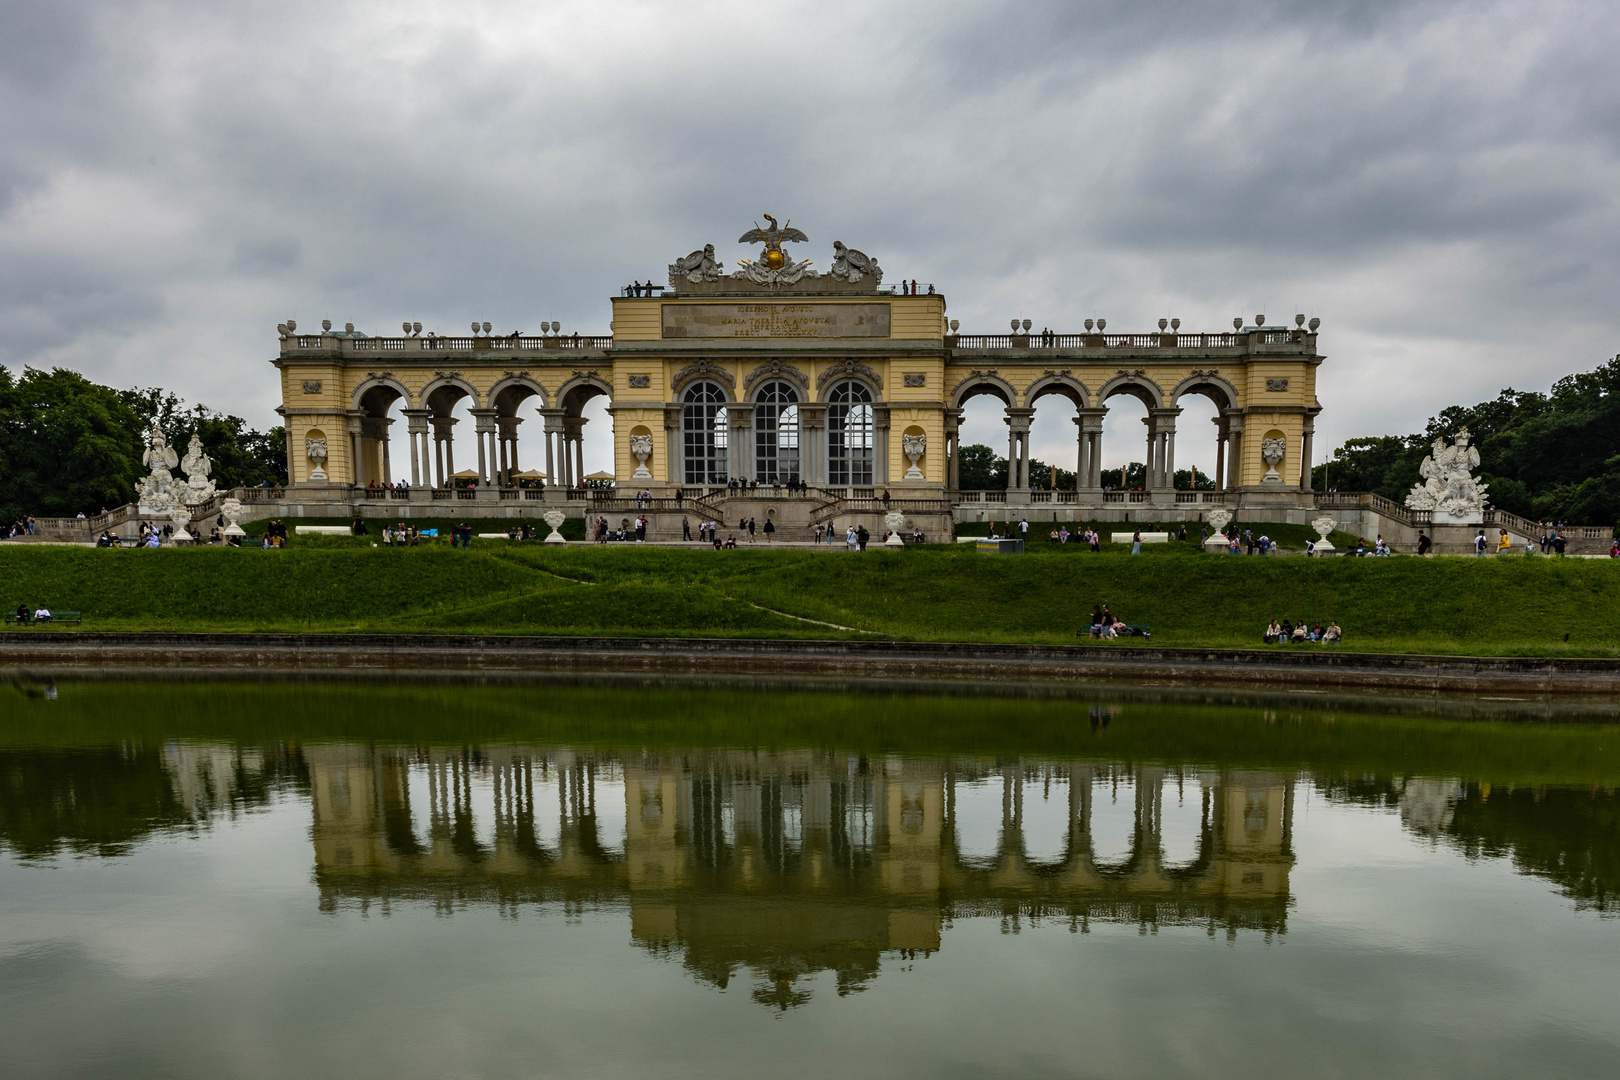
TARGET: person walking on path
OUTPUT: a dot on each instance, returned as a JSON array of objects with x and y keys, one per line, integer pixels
[
  {"x": 862, "y": 536},
  {"x": 750, "y": 530},
  {"x": 1023, "y": 529},
  {"x": 770, "y": 529},
  {"x": 686, "y": 529},
  {"x": 1136, "y": 542},
  {"x": 1480, "y": 544}
]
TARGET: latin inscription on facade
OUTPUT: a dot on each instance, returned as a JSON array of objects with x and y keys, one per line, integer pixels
[{"x": 776, "y": 320}]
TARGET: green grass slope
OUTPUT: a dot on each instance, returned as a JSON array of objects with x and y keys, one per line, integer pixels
[{"x": 1508, "y": 605}]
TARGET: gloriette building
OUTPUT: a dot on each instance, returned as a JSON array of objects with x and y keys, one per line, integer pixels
[{"x": 781, "y": 373}]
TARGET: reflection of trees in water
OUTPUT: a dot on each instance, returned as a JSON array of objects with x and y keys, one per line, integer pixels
[
  {"x": 103, "y": 800},
  {"x": 1570, "y": 836}
]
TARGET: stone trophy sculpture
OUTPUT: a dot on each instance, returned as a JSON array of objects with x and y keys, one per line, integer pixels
[
  {"x": 315, "y": 449},
  {"x": 913, "y": 446},
  {"x": 1218, "y": 521},
  {"x": 697, "y": 267},
  {"x": 158, "y": 492},
  {"x": 1449, "y": 488},
  {"x": 773, "y": 267},
  {"x": 641, "y": 447},
  {"x": 851, "y": 265},
  {"x": 1272, "y": 452},
  {"x": 196, "y": 465}
]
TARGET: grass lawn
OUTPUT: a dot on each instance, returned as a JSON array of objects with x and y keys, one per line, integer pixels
[{"x": 1509, "y": 605}]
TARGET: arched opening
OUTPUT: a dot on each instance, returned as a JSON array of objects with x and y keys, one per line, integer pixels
[
  {"x": 1204, "y": 400},
  {"x": 1125, "y": 439},
  {"x": 776, "y": 433},
  {"x": 981, "y": 439},
  {"x": 579, "y": 406},
  {"x": 850, "y": 435},
  {"x": 1054, "y": 438},
  {"x": 376, "y": 464},
  {"x": 508, "y": 402},
  {"x": 705, "y": 438},
  {"x": 449, "y": 407}
]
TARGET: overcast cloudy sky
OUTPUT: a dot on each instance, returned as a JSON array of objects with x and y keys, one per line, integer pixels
[{"x": 1437, "y": 181}]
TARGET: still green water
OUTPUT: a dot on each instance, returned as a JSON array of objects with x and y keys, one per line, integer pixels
[{"x": 576, "y": 880}]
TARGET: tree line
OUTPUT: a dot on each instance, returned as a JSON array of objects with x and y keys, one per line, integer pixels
[
  {"x": 980, "y": 468},
  {"x": 71, "y": 446},
  {"x": 1549, "y": 457}
]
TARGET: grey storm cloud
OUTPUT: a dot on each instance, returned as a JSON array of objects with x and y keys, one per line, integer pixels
[{"x": 1436, "y": 181}]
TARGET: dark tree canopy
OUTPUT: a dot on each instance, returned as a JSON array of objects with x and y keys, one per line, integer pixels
[
  {"x": 70, "y": 446},
  {"x": 1552, "y": 456}
]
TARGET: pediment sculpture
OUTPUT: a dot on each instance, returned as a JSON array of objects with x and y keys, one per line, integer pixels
[
  {"x": 701, "y": 265},
  {"x": 851, "y": 265},
  {"x": 1448, "y": 482}
]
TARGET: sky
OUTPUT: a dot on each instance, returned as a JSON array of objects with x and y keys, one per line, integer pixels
[{"x": 1437, "y": 182}]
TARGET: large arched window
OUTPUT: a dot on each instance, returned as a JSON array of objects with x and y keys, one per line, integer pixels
[
  {"x": 849, "y": 435},
  {"x": 703, "y": 434},
  {"x": 776, "y": 432}
]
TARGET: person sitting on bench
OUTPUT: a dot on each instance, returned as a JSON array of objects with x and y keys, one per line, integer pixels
[
  {"x": 42, "y": 615},
  {"x": 22, "y": 614}
]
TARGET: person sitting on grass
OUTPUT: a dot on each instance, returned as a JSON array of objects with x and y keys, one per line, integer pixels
[
  {"x": 1285, "y": 632},
  {"x": 1332, "y": 635},
  {"x": 1316, "y": 632},
  {"x": 1300, "y": 634},
  {"x": 1273, "y": 632}
]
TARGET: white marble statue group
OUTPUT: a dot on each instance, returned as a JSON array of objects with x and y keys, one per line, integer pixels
[
  {"x": 160, "y": 491},
  {"x": 1448, "y": 484}
]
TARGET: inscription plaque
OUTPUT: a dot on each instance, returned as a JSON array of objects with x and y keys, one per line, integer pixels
[{"x": 776, "y": 320}]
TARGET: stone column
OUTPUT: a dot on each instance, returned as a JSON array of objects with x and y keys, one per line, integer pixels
[
  {"x": 508, "y": 426},
  {"x": 484, "y": 427},
  {"x": 1017, "y": 421},
  {"x": 290, "y": 458},
  {"x": 1305, "y": 455},
  {"x": 1220, "y": 452},
  {"x": 740, "y": 418},
  {"x": 674, "y": 459},
  {"x": 416, "y": 425},
  {"x": 880, "y": 446},
  {"x": 551, "y": 419},
  {"x": 813, "y": 415},
  {"x": 357, "y": 471},
  {"x": 1234, "y": 452}
]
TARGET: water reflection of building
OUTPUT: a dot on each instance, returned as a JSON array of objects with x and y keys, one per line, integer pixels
[{"x": 788, "y": 863}]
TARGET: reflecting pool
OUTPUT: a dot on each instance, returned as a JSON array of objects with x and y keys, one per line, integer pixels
[{"x": 730, "y": 879}]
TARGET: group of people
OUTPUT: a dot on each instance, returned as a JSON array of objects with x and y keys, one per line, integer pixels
[
  {"x": 1285, "y": 633},
  {"x": 1089, "y": 536},
  {"x": 708, "y": 532},
  {"x": 40, "y": 614},
  {"x": 1104, "y": 624},
  {"x": 23, "y": 526},
  {"x": 401, "y": 535},
  {"x": 628, "y": 530}
]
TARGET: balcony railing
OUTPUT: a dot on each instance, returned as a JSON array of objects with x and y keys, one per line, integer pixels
[{"x": 1128, "y": 341}]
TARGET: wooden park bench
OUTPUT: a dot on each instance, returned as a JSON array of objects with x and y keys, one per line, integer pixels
[{"x": 74, "y": 617}]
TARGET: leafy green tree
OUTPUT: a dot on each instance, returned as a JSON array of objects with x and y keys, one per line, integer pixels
[
  {"x": 979, "y": 469},
  {"x": 1132, "y": 476},
  {"x": 67, "y": 445}
]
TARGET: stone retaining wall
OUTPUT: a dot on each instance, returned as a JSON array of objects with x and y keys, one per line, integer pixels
[{"x": 47, "y": 651}]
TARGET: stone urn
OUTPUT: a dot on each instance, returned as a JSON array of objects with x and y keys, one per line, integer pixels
[
  {"x": 1272, "y": 452},
  {"x": 231, "y": 509},
  {"x": 641, "y": 446},
  {"x": 914, "y": 446},
  {"x": 180, "y": 517},
  {"x": 1324, "y": 525},
  {"x": 1218, "y": 521},
  {"x": 893, "y": 521},
  {"x": 554, "y": 518}
]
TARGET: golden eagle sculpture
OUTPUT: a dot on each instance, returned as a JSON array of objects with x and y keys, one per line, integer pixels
[{"x": 773, "y": 238}]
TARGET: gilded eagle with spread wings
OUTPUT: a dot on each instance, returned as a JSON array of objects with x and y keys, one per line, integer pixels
[{"x": 774, "y": 236}]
